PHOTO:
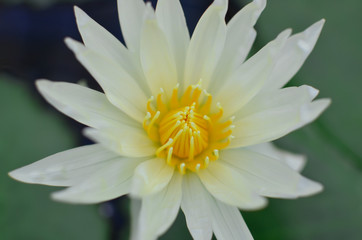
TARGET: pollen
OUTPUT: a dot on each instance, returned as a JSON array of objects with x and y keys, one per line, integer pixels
[{"x": 189, "y": 133}]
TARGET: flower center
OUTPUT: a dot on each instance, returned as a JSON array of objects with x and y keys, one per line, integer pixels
[
  {"x": 188, "y": 130},
  {"x": 190, "y": 134}
]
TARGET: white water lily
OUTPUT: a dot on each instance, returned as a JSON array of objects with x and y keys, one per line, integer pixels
[{"x": 183, "y": 122}]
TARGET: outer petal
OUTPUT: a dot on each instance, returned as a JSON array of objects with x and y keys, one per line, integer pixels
[
  {"x": 157, "y": 60},
  {"x": 127, "y": 142},
  {"x": 226, "y": 185},
  {"x": 204, "y": 212},
  {"x": 171, "y": 20},
  {"x": 132, "y": 14},
  {"x": 159, "y": 210},
  {"x": 228, "y": 224},
  {"x": 111, "y": 181},
  {"x": 206, "y": 45},
  {"x": 239, "y": 39},
  {"x": 135, "y": 218},
  {"x": 274, "y": 115},
  {"x": 151, "y": 177},
  {"x": 120, "y": 88},
  {"x": 98, "y": 39},
  {"x": 294, "y": 161},
  {"x": 83, "y": 104},
  {"x": 293, "y": 55},
  {"x": 267, "y": 176},
  {"x": 65, "y": 168},
  {"x": 195, "y": 200},
  {"x": 249, "y": 78}
]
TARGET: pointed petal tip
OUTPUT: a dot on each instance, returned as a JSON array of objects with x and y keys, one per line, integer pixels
[
  {"x": 316, "y": 28},
  {"x": 260, "y": 3},
  {"x": 81, "y": 17},
  {"x": 312, "y": 92},
  {"x": 42, "y": 83},
  {"x": 20, "y": 176},
  {"x": 308, "y": 187}
]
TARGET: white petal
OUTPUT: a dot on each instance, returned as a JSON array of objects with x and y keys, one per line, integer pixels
[
  {"x": 204, "y": 212},
  {"x": 275, "y": 114},
  {"x": 276, "y": 98},
  {"x": 267, "y": 176},
  {"x": 206, "y": 45},
  {"x": 228, "y": 186},
  {"x": 171, "y": 20},
  {"x": 111, "y": 181},
  {"x": 151, "y": 177},
  {"x": 135, "y": 218},
  {"x": 228, "y": 224},
  {"x": 65, "y": 168},
  {"x": 126, "y": 141},
  {"x": 120, "y": 88},
  {"x": 294, "y": 161},
  {"x": 85, "y": 105},
  {"x": 307, "y": 187},
  {"x": 132, "y": 14},
  {"x": 195, "y": 207},
  {"x": 239, "y": 39},
  {"x": 101, "y": 41},
  {"x": 157, "y": 61},
  {"x": 293, "y": 55},
  {"x": 249, "y": 78},
  {"x": 160, "y": 210}
]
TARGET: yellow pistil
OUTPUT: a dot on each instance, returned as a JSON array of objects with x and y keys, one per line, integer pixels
[{"x": 189, "y": 134}]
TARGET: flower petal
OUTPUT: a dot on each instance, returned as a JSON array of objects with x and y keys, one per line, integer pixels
[
  {"x": 249, "y": 78},
  {"x": 171, "y": 20},
  {"x": 113, "y": 180},
  {"x": 121, "y": 90},
  {"x": 228, "y": 224},
  {"x": 151, "y": 177},
  {"x": 294, "y": 161},
  {"x": 268, "y": 176},
  {"x": 239, "y": 39},
  {"x": 135, "y": 218},
  {"x": 274, "y": 115},
  {"x": 226, "y": 185},
  {"x": 308, "y": 187},
  {"x": 293, "y": 55},
  {"x": 65, "y": 168},
  {"x": 158, "y": 64},
  {"x": 99, "y": 40},
  {"x": 204, "y": 212},
  {"x": 126, "y": 141},
  {"x": 160, "y": 210},
  {"x": 195, "y": 206},
  {"x": 132, "y": 14},
  {"x": 206, "y": 45},
  {"x": 83, "y": 104}
]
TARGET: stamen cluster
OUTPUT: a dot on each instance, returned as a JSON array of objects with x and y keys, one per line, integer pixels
[{"x": 189, "y": 134}]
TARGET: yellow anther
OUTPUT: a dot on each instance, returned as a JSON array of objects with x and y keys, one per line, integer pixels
[
  {"x": 206, "y": 162},
  {"x": 169, "y": 155},
  {"x": 182, "y": 168},
  {"x": 157, "y": 115},
  {"x": 198, "y": 166},
  {"x": 216, "y": 153},
  {"x": 163, "y": 147}
]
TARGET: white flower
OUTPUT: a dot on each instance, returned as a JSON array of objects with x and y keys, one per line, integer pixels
[{"x": 183, "y": 123}]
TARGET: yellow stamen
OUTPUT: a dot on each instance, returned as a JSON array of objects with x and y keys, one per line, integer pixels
[{"x": 189, "y": 135}]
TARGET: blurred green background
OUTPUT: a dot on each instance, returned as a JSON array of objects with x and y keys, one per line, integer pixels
[{"x": 31, "y": 130}]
